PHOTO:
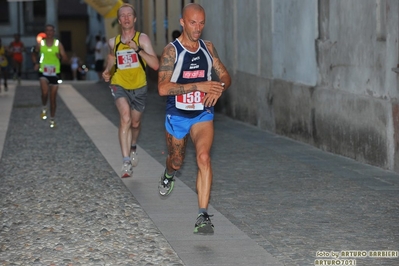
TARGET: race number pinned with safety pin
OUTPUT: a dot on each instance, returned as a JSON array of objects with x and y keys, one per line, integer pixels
[
  {"x": 127, "y": 59},
  {"x": 49, "y": 70},
  {"x": 190, "y": 101}
]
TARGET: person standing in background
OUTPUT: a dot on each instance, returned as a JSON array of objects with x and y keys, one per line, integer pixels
[
  {"x": 17, "y": 48},
  {"x": 75, "y": 64},
  {"x": 47, "y": 58},
  {"x": 175, "y": 34},
  {"x": 105, "y": 51},
  {"x": 98, "y": 57},
  {"x": 3, "y": 65}
]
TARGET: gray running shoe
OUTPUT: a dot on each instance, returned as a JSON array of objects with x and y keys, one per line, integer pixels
[
  {"x": 203, "y": 225},
  {"x": 134, "y": 158},
  {"x": 127, "y": 169},
  {"x": 166, "y": 185}
]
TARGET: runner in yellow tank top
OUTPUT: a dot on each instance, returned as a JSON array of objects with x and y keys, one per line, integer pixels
[
  {"x": 130, "y": 53},
  {"x": 3, "y": 65},
  {"x": 129, "y": 66}
]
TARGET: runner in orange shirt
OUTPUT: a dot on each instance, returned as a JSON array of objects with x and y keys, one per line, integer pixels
[{"x": 16, "y": 49}]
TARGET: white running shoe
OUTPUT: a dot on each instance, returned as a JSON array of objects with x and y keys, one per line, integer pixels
[{"x": 127, "y": 169}]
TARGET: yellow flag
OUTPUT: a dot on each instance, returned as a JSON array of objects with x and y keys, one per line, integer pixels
[{"x": 106, "y": 8}]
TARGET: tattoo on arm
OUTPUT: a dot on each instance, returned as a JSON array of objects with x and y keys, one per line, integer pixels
[
  {"x": 215, "y": 53},
  {"x": 162, "y": 77},
  {"x": 166, "y": 64},
  {"x": 180, "y": 89},
  {"x": 212, "y": 49},
  {"x": 219, "y": 68},
  {"x": 168, "y": 58},
  {"x": 176, "y": 91},
  {"x": 166, "y": 70}
]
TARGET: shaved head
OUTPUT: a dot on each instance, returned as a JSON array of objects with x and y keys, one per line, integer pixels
[
  {"x": 192, "y": 6},
  {"x": 193, "y": 22}
]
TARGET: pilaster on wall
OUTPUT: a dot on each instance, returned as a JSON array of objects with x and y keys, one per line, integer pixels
[
  {"x": 323, "y": 42},
  {"x": 251, "y": 103},
  {"x": 395, "y": 115},
  {"x": 293, "y": 109},
  {"x": 52, "y": 13},
  {"x": 324, "y": 19},
  {"x": 395, "y": 118}
]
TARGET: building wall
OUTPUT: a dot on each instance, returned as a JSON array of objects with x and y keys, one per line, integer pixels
[
  {"x": 8, "y": 30},
  {"x": 78, "y": 39},
  {"x": 357, "y": 91},
  {"x": 318, "y": 71}
]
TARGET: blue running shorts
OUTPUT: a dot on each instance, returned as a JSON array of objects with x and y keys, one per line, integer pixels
[{"x": 179, "y": 126}]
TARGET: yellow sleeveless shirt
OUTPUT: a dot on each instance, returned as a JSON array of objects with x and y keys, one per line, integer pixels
[
  {"x": 129, "y": 66},
  {"x": 3, "y": 58}
]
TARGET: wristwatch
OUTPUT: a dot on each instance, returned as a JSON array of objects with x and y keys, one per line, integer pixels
[{"x": 138, "y": 50}]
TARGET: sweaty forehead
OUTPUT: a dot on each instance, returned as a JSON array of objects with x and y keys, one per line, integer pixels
[
  {"x": 193, "y": 8},
  {"x": 194, "y": 14},
  {"x": 195, "y": 17},
  {"x": 125, "y": 10}
]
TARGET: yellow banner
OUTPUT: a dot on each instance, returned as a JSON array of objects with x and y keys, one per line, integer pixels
[
  {"x": 111, "y": 29},
  {"x": 106, "y": 8}
]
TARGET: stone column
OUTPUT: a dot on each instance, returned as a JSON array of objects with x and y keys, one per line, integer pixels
[{"x": 52, "y": 13}]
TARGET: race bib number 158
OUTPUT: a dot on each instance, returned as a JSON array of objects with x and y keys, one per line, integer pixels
[{"x": 190, "y": 101}]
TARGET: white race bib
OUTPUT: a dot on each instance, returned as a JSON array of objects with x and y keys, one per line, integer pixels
[
  {"x": 49, "y": 70},
  {"x": 127, "y": 59},
  {"x": 190, "y": 101}
]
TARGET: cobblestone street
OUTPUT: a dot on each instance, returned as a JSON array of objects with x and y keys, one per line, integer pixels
[{"x": 276, "y": 201}]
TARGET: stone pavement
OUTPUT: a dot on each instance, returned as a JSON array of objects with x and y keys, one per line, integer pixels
[{"x": 276, "y": 201}]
